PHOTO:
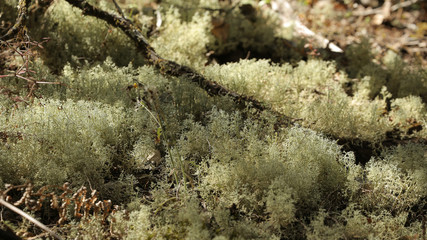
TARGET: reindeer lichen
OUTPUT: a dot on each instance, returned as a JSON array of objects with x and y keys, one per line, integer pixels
[
  {"x": 187, "y": 165},
  {"x": 184, "y": 42}
]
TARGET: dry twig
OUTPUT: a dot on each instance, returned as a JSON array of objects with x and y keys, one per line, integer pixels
[
  {"x": 84, "y": 207},
  {"x": 29, "y": 218},
  {"x": 19, "y": 24}
]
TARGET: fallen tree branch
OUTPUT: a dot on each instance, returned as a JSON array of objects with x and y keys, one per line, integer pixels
[
  {"x": 29, "y": 218},
  {"x": 165, "y": 66},
  {"x": 212, "y": 88}
]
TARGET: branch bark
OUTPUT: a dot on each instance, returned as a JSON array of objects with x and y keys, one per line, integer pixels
[
  {"x": 212, "y": 88},
  {"x": 165, "y": 66},
  {"x": 29, "y": 218}
]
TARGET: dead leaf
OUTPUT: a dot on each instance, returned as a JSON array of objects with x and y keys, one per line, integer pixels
[{"x": 220, "y": 29}]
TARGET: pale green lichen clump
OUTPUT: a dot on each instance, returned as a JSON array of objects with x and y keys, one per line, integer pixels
[
  {"x": 55, "y": 141},
  {"x": 312, "y": 91},
  {"x": 187, "y": 165},
  {"x": 177, "y": 39}
]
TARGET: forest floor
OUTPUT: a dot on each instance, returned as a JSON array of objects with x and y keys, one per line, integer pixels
[{"x": 400, "y": 26}]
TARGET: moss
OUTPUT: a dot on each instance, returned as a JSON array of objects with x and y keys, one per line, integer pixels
[
  {"x": 247, "y": 32},
  {"x": 106, "y": 83},
  {"x": 400, "y": 78},
  {"x": 411, "y": 159},
  {"x": 387, "y": 187}
]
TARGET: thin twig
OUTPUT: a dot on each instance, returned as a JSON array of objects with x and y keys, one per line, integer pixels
[
  {"x": 19, "y": 24},
  {"x": 165, "y": 66},
  {"x": 29, "y": 218},
  {"x": 288, "y": 18},
  {"x": 119, "y": 10}
]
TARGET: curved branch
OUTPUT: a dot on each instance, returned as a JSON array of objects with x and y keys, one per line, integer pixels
[
  {"x": 29, "y": 218},
  {"x": 165, "y": 66},
  {"x": 214, "y": 89}
]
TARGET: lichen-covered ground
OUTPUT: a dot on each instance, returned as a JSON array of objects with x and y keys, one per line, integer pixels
[{"x": 86, "y": 123}]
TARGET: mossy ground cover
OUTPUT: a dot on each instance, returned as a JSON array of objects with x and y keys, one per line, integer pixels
[{"x": 182, "y": 164}]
